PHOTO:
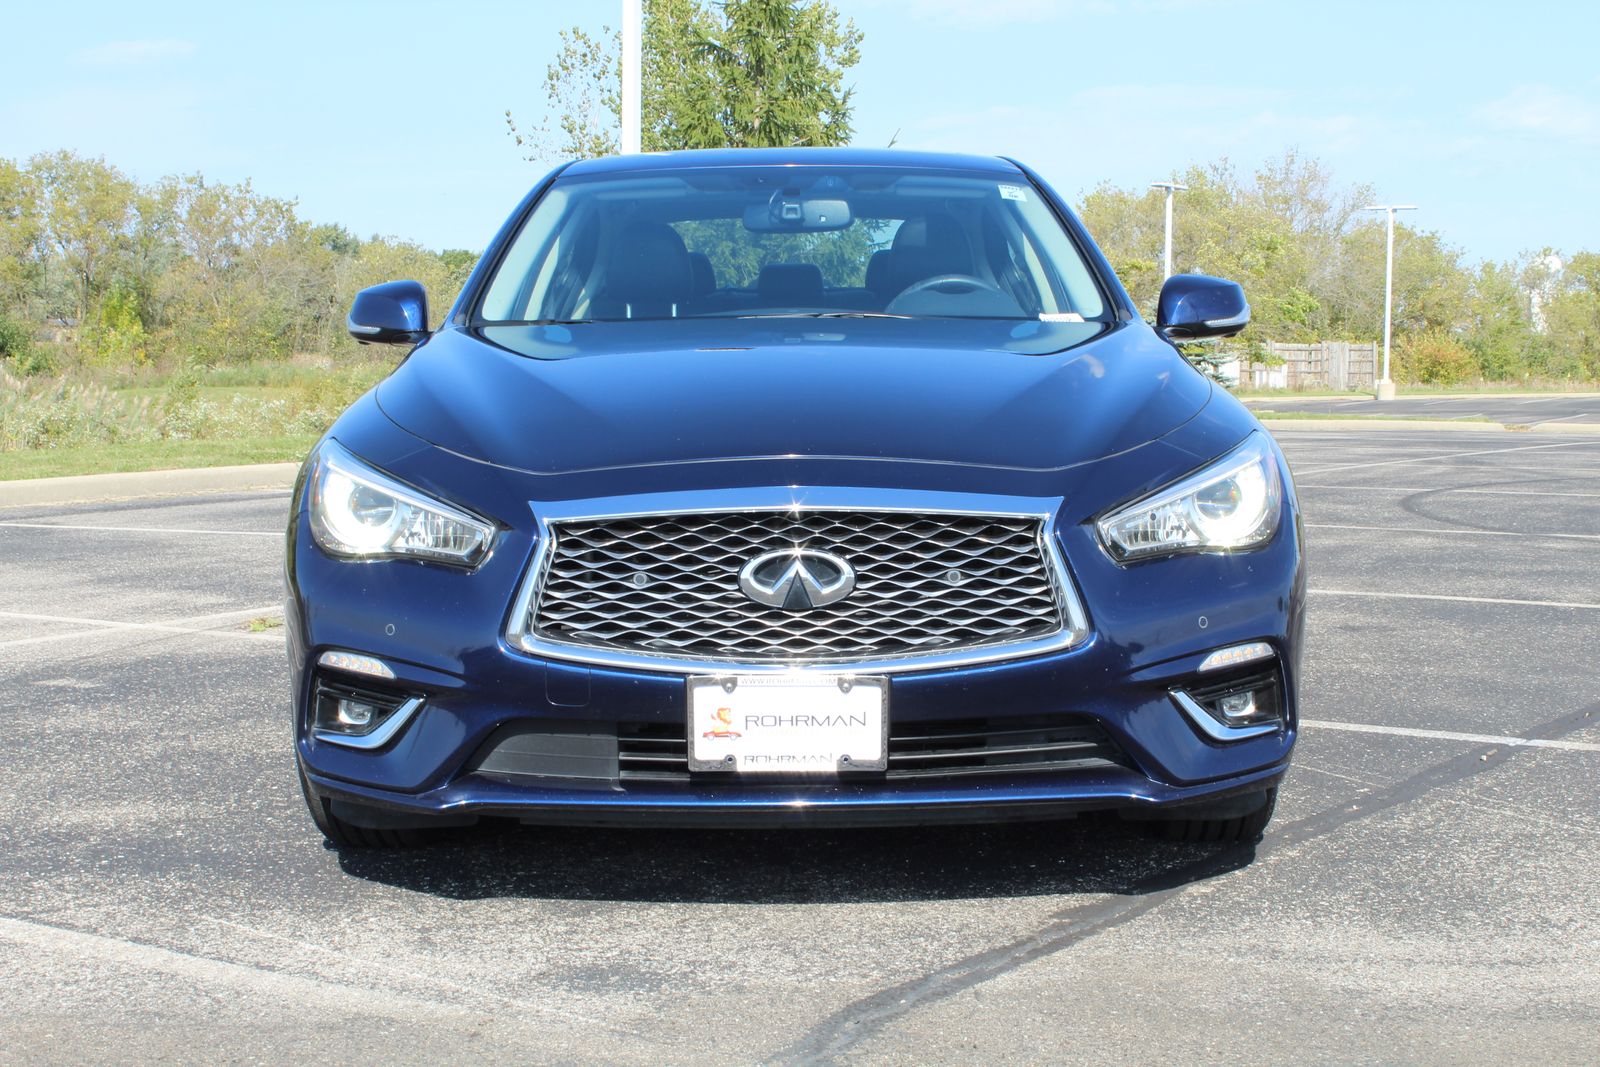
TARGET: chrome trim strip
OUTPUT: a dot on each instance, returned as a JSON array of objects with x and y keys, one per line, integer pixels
[
  {"x": 1214, "y": 729},
  {"x": 550, "y": 514},
  {"x": 355, "y": 327},
  {"x": 379, "y": 737}
]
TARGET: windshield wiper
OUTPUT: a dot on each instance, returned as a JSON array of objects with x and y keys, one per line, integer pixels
[{"x": 824, "y": 315}]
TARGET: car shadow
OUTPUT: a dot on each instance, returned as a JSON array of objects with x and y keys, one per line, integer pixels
[{"x": 1091, "y": 855}]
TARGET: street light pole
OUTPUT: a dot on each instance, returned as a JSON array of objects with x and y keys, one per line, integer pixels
[
  {"x": 1385, "y": 388},
  {"x": 1166, "y": 255},
  {"x": 632, "y": 52}
]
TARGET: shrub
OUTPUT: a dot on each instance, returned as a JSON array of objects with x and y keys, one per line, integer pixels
[
  {"x": 64, "y": 414},
  {"x": 18, "y": 351},
  {"x": 1435, "y": 357},
  {"x": 119, "y": 338},
  {"x": 181, "y": 414}
]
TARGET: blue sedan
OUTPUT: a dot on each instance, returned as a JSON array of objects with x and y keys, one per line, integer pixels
[{"x": 811, "y": 486}]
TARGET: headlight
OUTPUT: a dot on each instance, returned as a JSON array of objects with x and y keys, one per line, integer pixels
[
  {"x": 1233, "y": 504},
  {"x": 361, "y": 513}
]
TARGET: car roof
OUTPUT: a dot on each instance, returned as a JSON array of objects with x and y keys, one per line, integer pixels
[{"x": 791, "y": 157}]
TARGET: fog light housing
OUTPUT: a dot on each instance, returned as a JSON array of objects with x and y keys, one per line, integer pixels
[
  {"x": 355, "y": 714},
  {"x": 360, "y": 718},
  {"x": 1234, "y": 709}
]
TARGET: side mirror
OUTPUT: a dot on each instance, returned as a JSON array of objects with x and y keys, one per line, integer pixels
[
  {"x": 1193, "y": 306},
  {"x": 394, "y": 313}
]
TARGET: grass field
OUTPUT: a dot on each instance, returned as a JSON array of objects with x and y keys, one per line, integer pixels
[
  {"x": 87, "y": 424},
  {"x": 152, "y": 456}
]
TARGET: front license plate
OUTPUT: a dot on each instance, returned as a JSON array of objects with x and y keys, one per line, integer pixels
[{"x": 788, "y": 724}]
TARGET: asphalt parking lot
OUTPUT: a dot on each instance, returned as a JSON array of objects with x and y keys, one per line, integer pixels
[
  {"x": 1427, "y": 893},
  {"x": 1550, "y": 409}
]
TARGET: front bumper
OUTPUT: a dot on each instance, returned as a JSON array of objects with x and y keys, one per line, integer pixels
[
  {"x": 443, "y": 632},
  {"x": 1146, "y": 753}
]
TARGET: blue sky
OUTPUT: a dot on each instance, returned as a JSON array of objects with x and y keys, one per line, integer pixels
[{"x": 389, "y": 117}]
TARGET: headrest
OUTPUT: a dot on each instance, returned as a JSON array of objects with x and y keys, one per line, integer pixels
[
  {"x": 880, "y": 271},
  {"x": 932, "y": 245},
  {"x": 705, "y": 279},
  {"x": 790, "y": 283},
  {"x": 649, "y": 265}
]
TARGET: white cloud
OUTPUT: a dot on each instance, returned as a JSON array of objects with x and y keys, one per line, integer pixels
[
  {"x": 1546, "y": 111},
  {"x": 134, "y": 53}
]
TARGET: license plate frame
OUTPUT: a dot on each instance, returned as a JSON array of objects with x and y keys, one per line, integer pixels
[{"x": 764, "y": 732}]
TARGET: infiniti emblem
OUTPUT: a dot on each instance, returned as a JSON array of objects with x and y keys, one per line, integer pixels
[{"x": 797, "y": 579}]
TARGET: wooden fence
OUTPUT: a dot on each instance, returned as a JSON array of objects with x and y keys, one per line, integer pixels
[{"x": 1324, "y": 365}]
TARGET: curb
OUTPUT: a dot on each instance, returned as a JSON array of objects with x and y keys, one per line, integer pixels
[
  {"x": 1565, "y": 427},
  {"x": 98, "y": 488},
  {"x": 1380, "y": 422},
  {"x": 1367, "y": 397}
]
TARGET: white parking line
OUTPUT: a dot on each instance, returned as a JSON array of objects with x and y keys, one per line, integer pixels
[
  {"x": 1451, "y": 533},
  {"x": 1451, "y": 735},
  {"x": 1445, "y": 489},
  {"x": 1442, "y": 455},
  {"x": 139, "y": 529},
  {"x": 174, "y": 627},
  {"x": 1459, "y": 599}
]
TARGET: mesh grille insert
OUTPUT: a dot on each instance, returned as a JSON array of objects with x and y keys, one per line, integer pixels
[
  {"x": 929, "y": 750},
  {"x": 669, "y": 585}
]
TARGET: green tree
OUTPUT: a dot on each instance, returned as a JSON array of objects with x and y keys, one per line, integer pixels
[
  {"x": 1572, "y": 319},
  {"x": 1311, "y": 262},
  {"x": 583, "y": 84},
  {"x": 86, "y": 215},
  {"x": 740, "y": 74},
  {"x": 1499, "y": 332},
  {"x": 775, "y": 78},
  {"x": 242, "y": 277},
  {"x": 21, "y": 235}
]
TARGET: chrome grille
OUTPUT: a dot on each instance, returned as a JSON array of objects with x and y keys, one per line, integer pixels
[{"x": 668, "y": 585}]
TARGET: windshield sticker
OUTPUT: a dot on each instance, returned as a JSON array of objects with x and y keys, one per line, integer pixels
[
  {"x": 1013, "y": 192},
  {"x": 1060, "y": 316}
]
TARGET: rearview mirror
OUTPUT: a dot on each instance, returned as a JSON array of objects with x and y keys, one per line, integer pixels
[
  {"x": 794, "y": 214},
  {"x": 394, "y": 313},
  {"x": 1193, "y": 306}
]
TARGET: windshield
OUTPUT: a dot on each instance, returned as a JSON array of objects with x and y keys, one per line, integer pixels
[{"x": 810, "y": 241}]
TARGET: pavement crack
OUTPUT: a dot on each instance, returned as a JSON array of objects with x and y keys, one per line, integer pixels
[{"x": 862, "y": 1019}]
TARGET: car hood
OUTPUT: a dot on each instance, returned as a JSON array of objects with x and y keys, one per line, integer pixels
[{"x": 554, "y": 400}]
